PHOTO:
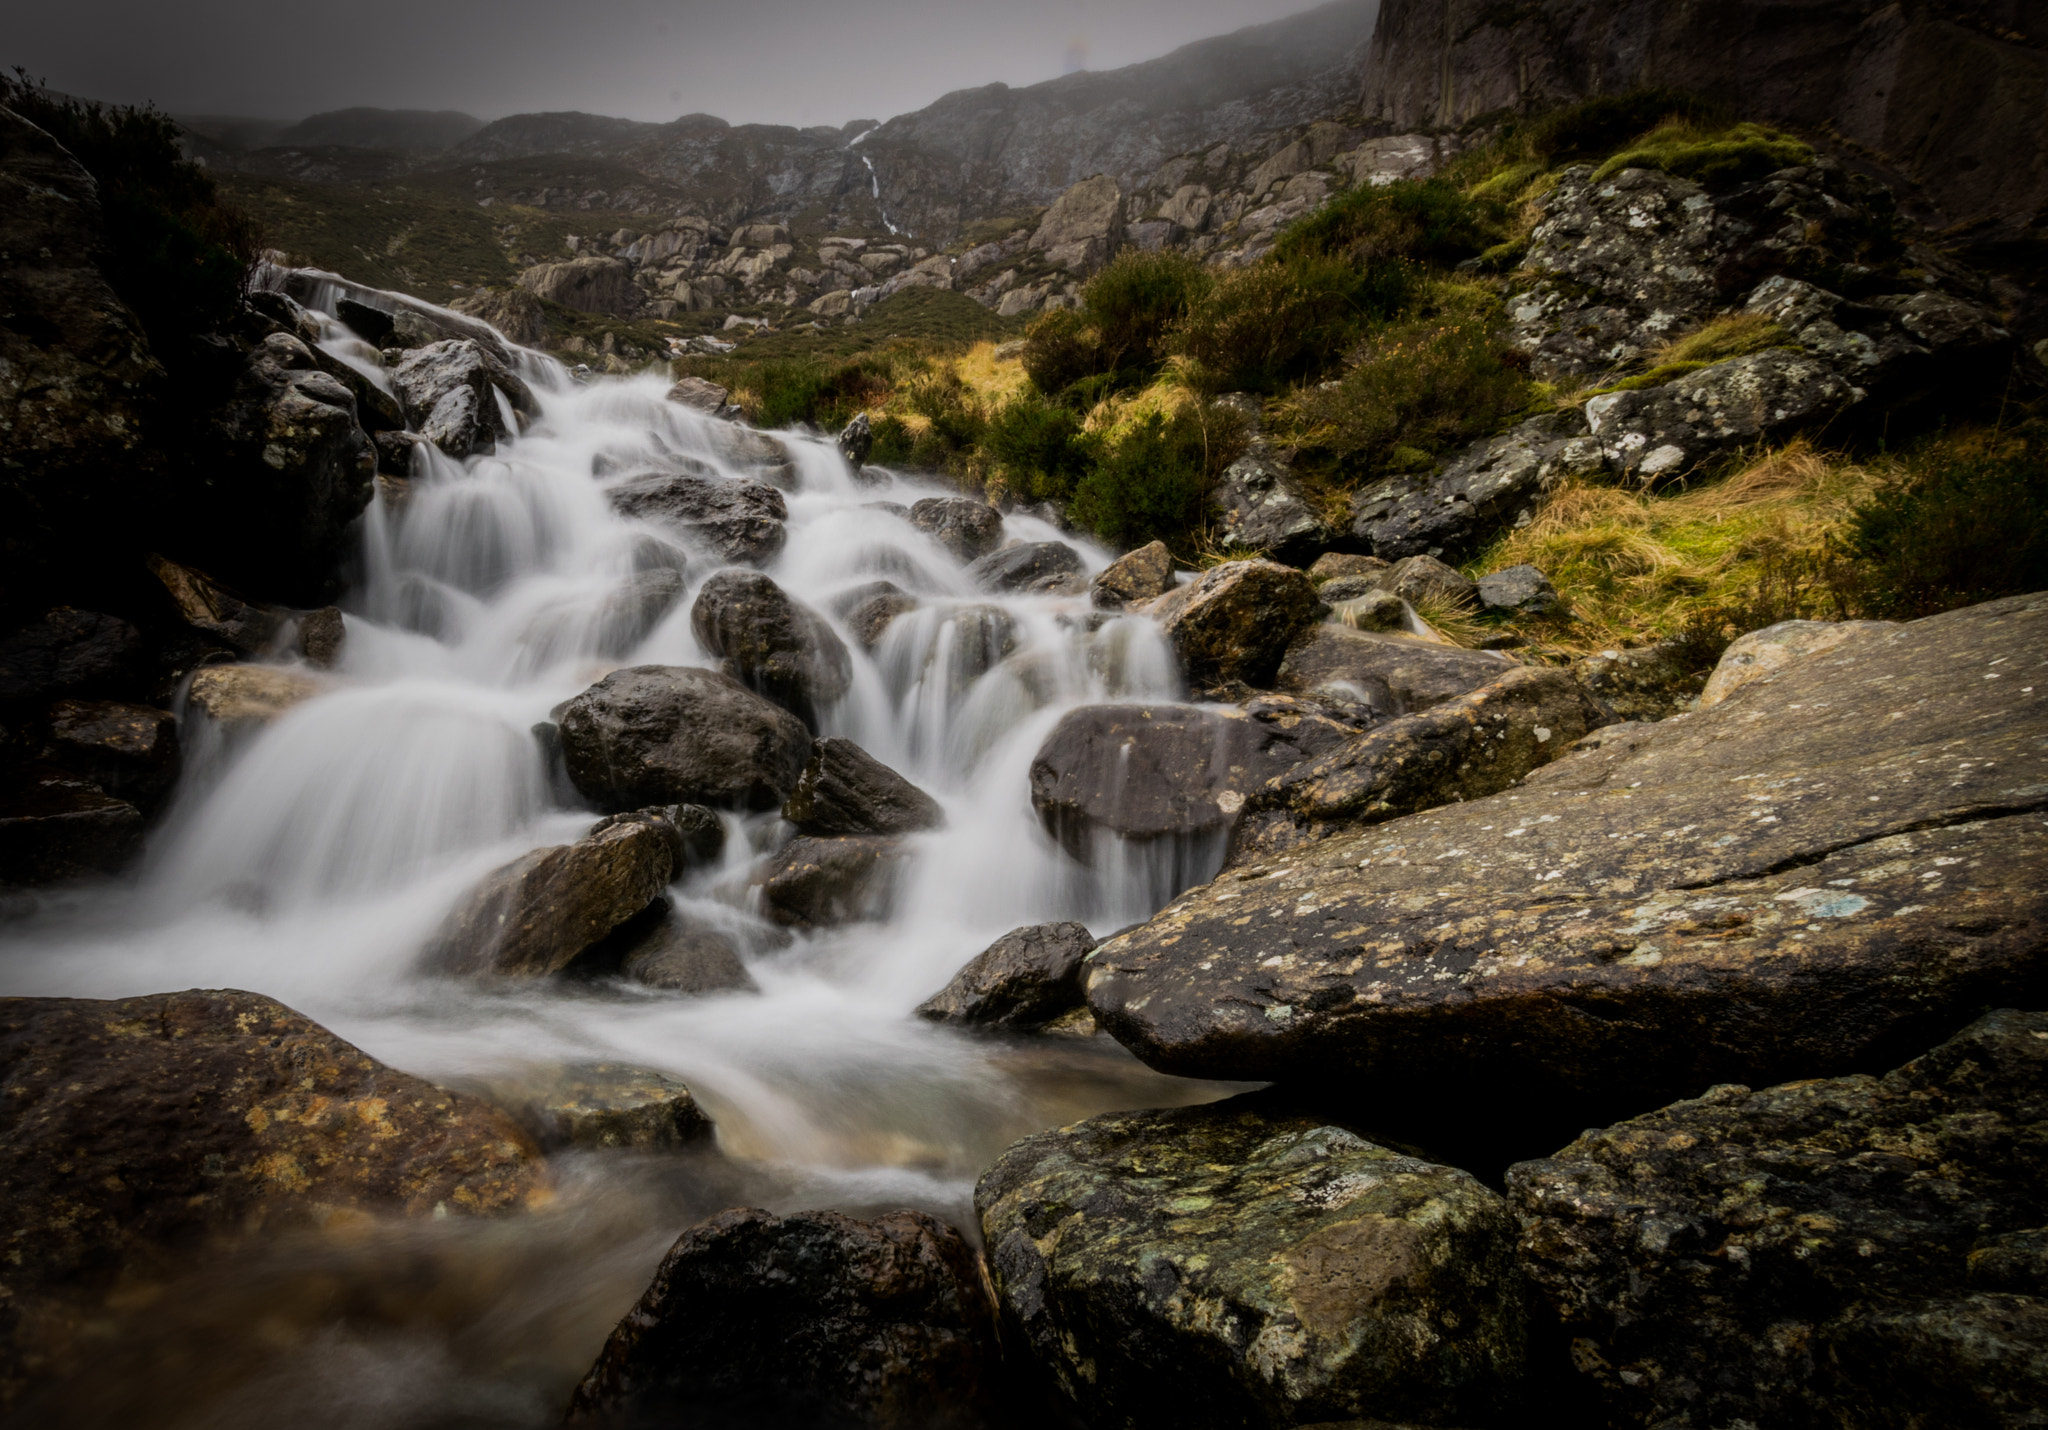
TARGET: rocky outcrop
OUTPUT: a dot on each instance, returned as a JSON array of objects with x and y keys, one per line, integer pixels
[
  {"x": 1083, "y": 227},
  {"x": 969, "y": 530},
  {"x": 1476, "y": 745},
  {"x": 1493, "y": 483},
  {"x": 813, "y": 1318},
  {"x": 1219, "y": 1266},
  {"x": 845, "y": 790},
  {"x": 450, "y": 390},
  {"x": 826, "y": 883},
  {"x": 656, "y": 734},
  {"x": 1234, "y": 621},
  {"x": 129, "y": 751},
  {"x": 730, "y": 519},
  {"x": 1820, "y": 869},
  {"x": 772, "y": 642},
  {"x": 142, "y": 1134},
  {"x": 1024, "y": 980},
  {"x": 1393, "y": 674},
  {"x": 211, "y": 610},
  {"x": 1258, "y": 503},
  {"x": 1839, "y": 1251},
  {"x": 1761, "y": 654},
  {"x": 1948, "y": 94},
  {"x": 538, "y": 914},
  {"x": 1655, "y": 433},
  {"x": 589, "y": 285}
]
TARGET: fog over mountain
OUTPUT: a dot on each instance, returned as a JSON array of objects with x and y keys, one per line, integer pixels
[{"x": 797, "y": 62}]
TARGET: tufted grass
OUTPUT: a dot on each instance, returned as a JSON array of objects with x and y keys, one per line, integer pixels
[{"x": 1708, "y": 154}]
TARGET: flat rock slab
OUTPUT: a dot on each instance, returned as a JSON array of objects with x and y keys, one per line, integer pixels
[
  {"x": 1858, "y": 1250},
  {"x": 1218, "y": 1266},
  {"x": 1838, "y": 862}
]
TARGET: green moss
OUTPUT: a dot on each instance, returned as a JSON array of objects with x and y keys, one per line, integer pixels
[{"x": 1728, "y": 156}]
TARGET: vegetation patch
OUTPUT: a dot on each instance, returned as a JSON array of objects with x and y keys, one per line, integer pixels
[{"x": 1708, "y": 155}]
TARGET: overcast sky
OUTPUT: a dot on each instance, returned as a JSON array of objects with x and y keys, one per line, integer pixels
[{"x": 779, "y": 61}]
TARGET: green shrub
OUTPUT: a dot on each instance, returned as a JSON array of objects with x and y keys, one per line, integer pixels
[
  {"x": 1037, "y": 447},
  {"x": 893, "y": 442},
  {"x": 1136, "y": 300},
  {"x": 790, "y": 392},
  {"x": 1278, "y": 321},
  {"x": 1419, "y": 220},
  {"x": 176, "y": 254},
  {"x": 1419, "y": 386},
  {"x": 1059, "y": 350},
  {"x": 1967, "y": 523},
  {"x": 1147, "y": 485}
]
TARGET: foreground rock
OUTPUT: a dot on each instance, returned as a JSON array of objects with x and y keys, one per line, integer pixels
[
  {"x": 450, "y": 390},
  {"x": 1218, "y": 1266},
  {"x": 1259, "y": 504},
  {"x": 845, "y": 790},
  {"x": 1761, "y": 654},
  {"x": 130, "y": 751},
  {"x": 1135, "y": 576},
  {"x": 968, "y": 529},
  {"x": 1826, "y": 867},
  {"x": 138, "y": 1134},
  {"x": 1644, "y": 682},
  {"x": 1476, "y": 745},
  {"x": 658, "y": 734},
  {"x": 772, "y": 642},
  {"x": 808, "y": 1319},
  {"x": 56, "y": 825},
  {"x": 1160, "y": 771},
  {"x": 1859, "y": 1250},
  {"x": 1395, "y": 675},
  {"x": 827, "y": 883},
  {"x": 1027, "y": 978},
  {"x": 604, "y": 1106},
  {"x": 732, "y": 519},
  {"x": 1233, "y": 622}
]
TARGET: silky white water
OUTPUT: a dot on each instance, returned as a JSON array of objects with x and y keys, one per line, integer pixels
[{"x": 312, "y": 861}]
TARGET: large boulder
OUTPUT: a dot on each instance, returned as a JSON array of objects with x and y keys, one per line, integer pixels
[
  {"x": 817, "y": 883},
  {"x": 1394, "y": 674},
  {"x": 141, "y": 1135},
  {"x": 846, "y": 790},
  {"x": 1161, "y": 771},
  {"x": 1030, "y": 566},
  {"x": 809, "y": 1319},
  {"x": 57, "y": 825},
  {"x": 1783, "y": 886},
  {"x": 968, "y": 529},
  {"x": 657, "y": 734},
  {"x": 772, "y": 642},
  {"x": 1135, "y": 576},
  {"x": 1259, "y": 505},
  {"x": 1655, "y": 434},
  {"x": 1476, "y": 745},
  {"x": 1084, "y": 226},
  {"x": 1234, "y": 621},
  {"x": 1027, "y": 978},
  {"x": 1858, "y": 1250},
  {"x": 589, "y": 285},
  {"x": 450, "y": 391},
  {"x": 536, "y": 915},
  {"x": 77, "y": 379},
  {"x": 1494, "y": 483},
  {"x": 732, "y": 519},
  {"x": 1219, "y": 1266}
]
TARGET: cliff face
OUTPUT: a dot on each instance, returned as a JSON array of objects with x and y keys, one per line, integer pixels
[{"x": 1949, "y": 94}]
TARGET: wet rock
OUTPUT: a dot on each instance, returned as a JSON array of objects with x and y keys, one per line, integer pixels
[
  {"x": 656, "y": 734},
  {"x": 702, "y": 832},
  {"x": 143, "y": 1133},
  {"x": 129, "y": 751},
  {"x": 702, "y": 395},
  {"x": 845, "y": 790},
  {"x": 56, "y": 826},
  {"x": 1642, "y": 683},
  {"x": 372, "y": 325},
  {"x": 322, "y": 634},
  {"x": 1026, "y": 979},
  {"x": 1419, "y": 579},
  {"x": 1363, "y": 607},
  {"x": 514, "y": 312},
  {"x": 1395, "y": 675},
  {"x": 856, "y": 440},
  {"x": 1154, "y": 771},
  {"x": 767, "y": 456},
  {"x": 534, "y": 916},
  {"x": 1467, "y": 748},
  {"x": 1833, "y": 865},
  {"x": 733, "y": 520},
  {"x": 1259, "y": 505},
  {"x": 1493, "y": 484},
  {"x": 1803, "y": 1254},
  {"x": 239, "y": 699},
  {"x": 1656, "y": 434},
  {"x": 827, "y": 883},
  {"x": 1762, "y": 654},
  {"x": 449, "y": 390},
  {"x": 679, "y": 956},
  {"x": 68, "y": 652},
  {"x": 1030, "y": 566},
  {"x": 589, "y": 284},
  {"x": 1519, "y": 591},
  {"x": 612, "y": 1105},
  {"x": 630, "y": 614},
  {"x": 968, "y": 529},
  {"x": 1135, "y": 576},
  {"x": 772, "y": 642},
  {"x": 1222, "y": 1266},
  {"x": 813, "y": 1318},
  {"x": 880, "y": 602},
  {"x": 1234, "y": 621},
  {"x": 211, "y": 609}
]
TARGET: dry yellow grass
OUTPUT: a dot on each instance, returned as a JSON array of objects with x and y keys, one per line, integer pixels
[
  {"x": 1636, "y": 567},
  {"x": 993, "y": 381}
]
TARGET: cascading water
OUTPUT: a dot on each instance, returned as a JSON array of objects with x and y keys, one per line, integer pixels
[{"x": 312, "y": 860}]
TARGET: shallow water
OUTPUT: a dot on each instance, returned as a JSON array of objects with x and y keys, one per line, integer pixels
[{"x": 312, "y": 861}]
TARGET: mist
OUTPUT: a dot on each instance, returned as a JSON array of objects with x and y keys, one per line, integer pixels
[{"x": 799, "y": 62}]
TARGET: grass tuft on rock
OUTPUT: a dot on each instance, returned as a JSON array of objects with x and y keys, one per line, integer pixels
[{"x": 1710, "y": 155}]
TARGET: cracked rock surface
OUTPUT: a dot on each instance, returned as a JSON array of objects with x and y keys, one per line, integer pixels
[{"x": 1835, "y": 863}]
